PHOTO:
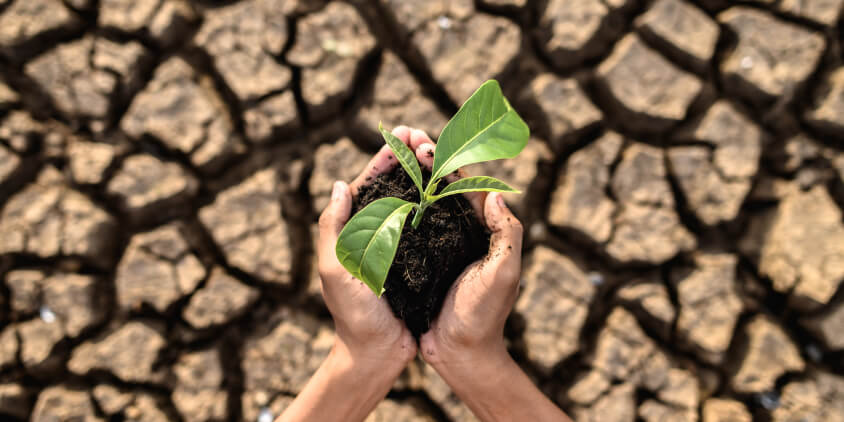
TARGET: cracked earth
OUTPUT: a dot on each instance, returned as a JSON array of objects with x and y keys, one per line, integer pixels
[{"x": 163, "y": 164}]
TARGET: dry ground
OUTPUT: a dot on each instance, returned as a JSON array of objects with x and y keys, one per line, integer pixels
[{"x": 163, "y": 162}]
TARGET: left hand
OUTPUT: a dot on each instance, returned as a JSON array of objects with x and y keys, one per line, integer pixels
[{"x": 366, "y": 327}]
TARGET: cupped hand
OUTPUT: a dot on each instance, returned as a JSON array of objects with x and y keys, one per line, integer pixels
[
  {"x": 470, "y": 326},
  {"x": 465, "y": 344},
  {"x": 364, "y": 323}
]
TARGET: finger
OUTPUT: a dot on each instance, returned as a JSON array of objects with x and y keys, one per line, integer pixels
[
  {"x": 383, "y": 162},
  {"x": 419, "y": 137},
  {"x": 505, "y": 245},
  {"x": 402, "y": 132},
  {"x": 331, "y": 222},
  {"x": 425, "y": 155}
]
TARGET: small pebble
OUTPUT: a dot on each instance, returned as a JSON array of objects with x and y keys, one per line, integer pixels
[
  {"x": 47, "y": 315},
  {"x": 329, "y": 45},
  {"x": 537, "y": 231},
  {"x": 746, "y": 62},
  {"x": 344, "y": 50},
  {"x": 769, "y": 400},
  {"x": 814, "y": 352},
  {"x": 596, "y": 278},
  {"x": 444, "y": 22},
  {"x": 266, "y": 415}
]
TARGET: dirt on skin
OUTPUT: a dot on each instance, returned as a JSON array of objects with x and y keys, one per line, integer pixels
[{"x": 430, "y": 257}]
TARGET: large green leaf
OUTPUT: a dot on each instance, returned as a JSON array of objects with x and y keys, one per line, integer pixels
[
  {"x": 485, "y": 128},
  {"x": 406, "y": 157},
  {"x": 475, "y": 184},
  {"x": 367, "y": 245}
]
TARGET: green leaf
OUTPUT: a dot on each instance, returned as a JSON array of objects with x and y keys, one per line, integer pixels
[
  {"x": 406, "y": 157},
  {"x": 475, "y": 184},
  {"x": 485, "y": 128},
  {"x": 367, "y": 245}
]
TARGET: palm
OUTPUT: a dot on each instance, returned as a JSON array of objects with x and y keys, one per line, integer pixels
[
  {"x": 457, "y": 315},
  {"x": 472, "y": 303},
  {"x": 476, "y": 307}
]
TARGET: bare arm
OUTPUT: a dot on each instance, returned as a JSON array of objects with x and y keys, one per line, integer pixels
[
  {"x": 496, "y": 389},
  {"x": 344, "y": 388},
  {"x": 371, "y": 346}
]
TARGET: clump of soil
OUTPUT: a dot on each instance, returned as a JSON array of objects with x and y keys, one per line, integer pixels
[{"x": 430, "y": 257}]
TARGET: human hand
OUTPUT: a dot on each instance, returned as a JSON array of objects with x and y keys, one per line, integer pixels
[
  {"x": 364, "y": 323},
  {"x": 371, "y": 346},
  {"x": 465, "y": 344},
  {"x": 471, "y": 324}
]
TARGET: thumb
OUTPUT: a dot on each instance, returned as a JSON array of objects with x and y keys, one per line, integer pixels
[
  {"x": 331, "y": 222},
  {"x": 505, "y": 246}
]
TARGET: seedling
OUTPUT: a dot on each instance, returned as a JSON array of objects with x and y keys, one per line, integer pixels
[{"x": 485, "y": 128}]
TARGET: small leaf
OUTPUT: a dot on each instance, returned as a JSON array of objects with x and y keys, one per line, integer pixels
[
  {"x": 367, "y": 245},
  {"x": 475, "y": 184},
  {"x": 406, "y": 157},
  {"x": 485, "y": 128}
]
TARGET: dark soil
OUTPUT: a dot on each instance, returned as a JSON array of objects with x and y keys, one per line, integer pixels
[{"x": 430, "y": 257}]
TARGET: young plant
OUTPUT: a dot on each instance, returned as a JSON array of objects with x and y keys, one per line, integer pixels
[{"x": 485, "y": 128}]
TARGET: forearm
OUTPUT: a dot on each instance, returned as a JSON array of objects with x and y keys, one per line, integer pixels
[
  {"x": 496, "y": 389},
  {"x": 342, "y": 389}
]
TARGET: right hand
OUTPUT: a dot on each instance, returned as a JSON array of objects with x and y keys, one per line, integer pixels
[
  {"x": 465, "y": 344},
  {"x": 471, "y": 323}
]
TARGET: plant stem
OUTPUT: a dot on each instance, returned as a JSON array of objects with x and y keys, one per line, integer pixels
[
  {"x": 417, "y": 218},
  {"x": 420, "y": 210},
  {"x": 430, "y": 189}
]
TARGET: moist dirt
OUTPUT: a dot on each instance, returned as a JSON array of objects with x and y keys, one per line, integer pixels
[{"x": 430, "y": 257}]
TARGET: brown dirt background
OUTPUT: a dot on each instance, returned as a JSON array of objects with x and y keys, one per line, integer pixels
[{"x": 163, "y": 164}]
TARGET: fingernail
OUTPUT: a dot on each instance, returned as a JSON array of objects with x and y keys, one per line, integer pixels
[
  {"x": 500, "y": 200},
  {"x": 337, "y": 191}
]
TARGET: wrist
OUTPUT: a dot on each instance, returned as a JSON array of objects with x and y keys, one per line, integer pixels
[
  {"x": 376, "y": 365},
  {"x": 482, "y": 379},
  {"x": 494, "y": 387},
  {"x": 464, "y": 368},
  {"x": 345, "y": 387}
]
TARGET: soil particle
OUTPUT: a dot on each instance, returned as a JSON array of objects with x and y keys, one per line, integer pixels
[{"x": 430, "y": 257}]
